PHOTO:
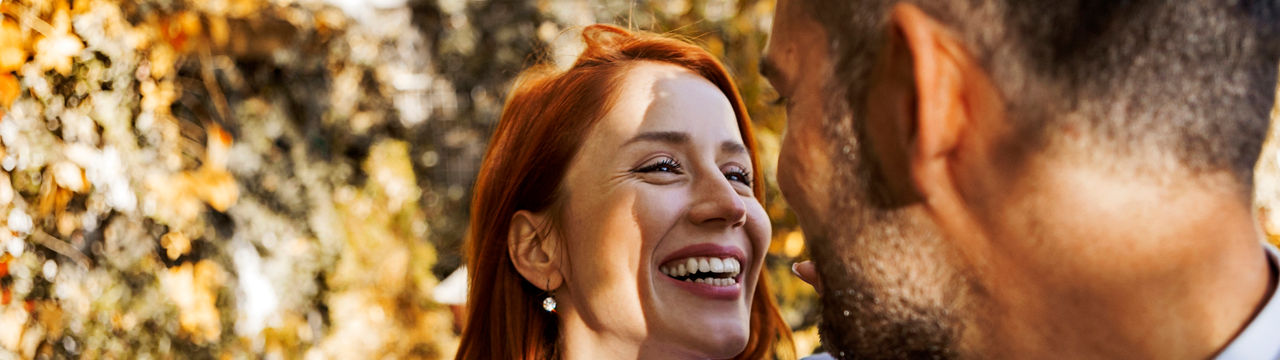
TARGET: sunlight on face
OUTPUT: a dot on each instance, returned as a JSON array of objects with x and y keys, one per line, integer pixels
[{"x": 665, "y": 238}]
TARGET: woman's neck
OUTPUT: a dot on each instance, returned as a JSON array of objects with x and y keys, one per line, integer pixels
[{"x": 578, "y": 340}]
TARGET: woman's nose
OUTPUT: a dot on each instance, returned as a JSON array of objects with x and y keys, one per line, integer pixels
[{"x": 716, "y": 201}]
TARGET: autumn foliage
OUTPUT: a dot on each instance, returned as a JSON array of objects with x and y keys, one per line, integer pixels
[{"x": 198, "y": 178}]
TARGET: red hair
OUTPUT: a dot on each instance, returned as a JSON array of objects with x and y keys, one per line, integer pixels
[{"x": 546, "y": 118}]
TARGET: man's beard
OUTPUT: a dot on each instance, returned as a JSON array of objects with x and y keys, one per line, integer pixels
[{"x": 890, "y": 288}]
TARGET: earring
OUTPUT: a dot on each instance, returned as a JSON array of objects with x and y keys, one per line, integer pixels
[{"x": 549, "y": 303}]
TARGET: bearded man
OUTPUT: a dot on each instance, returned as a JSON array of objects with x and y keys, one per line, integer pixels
[{"x": 1031, "y": 178}]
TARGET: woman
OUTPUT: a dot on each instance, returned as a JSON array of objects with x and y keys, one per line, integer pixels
[{"x": 617, "y": 214}]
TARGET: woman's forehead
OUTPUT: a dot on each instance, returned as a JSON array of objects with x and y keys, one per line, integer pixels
[{"x": 664, "y": 97}]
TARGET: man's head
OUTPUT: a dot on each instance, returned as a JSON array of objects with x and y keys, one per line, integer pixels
[{"x": 958, "y": 164}]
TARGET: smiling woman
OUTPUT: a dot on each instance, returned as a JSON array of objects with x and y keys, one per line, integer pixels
[{"x": 618, "y": 213}]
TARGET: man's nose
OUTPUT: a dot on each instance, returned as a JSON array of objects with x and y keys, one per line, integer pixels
[{"x": 716, "y": 201}]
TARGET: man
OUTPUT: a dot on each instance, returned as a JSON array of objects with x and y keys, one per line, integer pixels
[{"x": 1031, "y": 178}]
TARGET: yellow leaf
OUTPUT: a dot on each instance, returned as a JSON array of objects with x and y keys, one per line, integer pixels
[
  {"x": 9, "y": 90},
  {"x": 215, "y": 187},
  {"x": 12, "y": 51},
  {"x": 162, "y": 59},
  {"x": 193, "y": 290},
  {"x": 175, "y": 244},
  {"x": 180, "y": 29}
]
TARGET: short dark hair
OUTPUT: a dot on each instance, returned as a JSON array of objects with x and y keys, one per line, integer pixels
[{"x": 1189, "y": 78}]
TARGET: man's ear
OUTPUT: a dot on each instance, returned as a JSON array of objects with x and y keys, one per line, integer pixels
[
  {"x": 915, "y": 108},
  {"x": 534, "y": 249}
]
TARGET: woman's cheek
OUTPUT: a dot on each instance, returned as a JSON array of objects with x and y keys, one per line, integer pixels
[
  {"x": 759, "y": 229},
  {"x": 658, "y": 209}
]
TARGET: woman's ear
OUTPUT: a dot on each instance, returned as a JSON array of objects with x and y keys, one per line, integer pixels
[{"x": 534, "y": 249}]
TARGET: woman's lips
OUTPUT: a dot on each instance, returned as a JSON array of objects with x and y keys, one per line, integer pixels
[
  {"x": 708, "y": 270},
  {"x": 706, "y": 250}
]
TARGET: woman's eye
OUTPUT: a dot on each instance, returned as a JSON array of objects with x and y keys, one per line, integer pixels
[
  {"x": 739, "y": 175},
  {"x": 668, "y": 165}
]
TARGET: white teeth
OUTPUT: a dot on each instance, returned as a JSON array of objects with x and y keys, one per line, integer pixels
[
  {"x": 714, "y": 281},
  {"x": 694, "y": 265}
]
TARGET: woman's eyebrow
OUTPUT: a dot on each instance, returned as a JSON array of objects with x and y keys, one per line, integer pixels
[
  {"x": 732, "y": 147},
  {"x": 681, "y": 138},
  {"x": 671, "y": 137}
]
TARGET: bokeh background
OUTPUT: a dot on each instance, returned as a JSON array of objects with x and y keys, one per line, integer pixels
[{"x": 291, "y": 178}]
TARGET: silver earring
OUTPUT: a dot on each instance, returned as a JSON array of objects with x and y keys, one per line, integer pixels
[{"x": 549, "y": 303}]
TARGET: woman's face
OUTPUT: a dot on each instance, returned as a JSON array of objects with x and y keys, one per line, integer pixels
[{"x": 664, "y": 237}]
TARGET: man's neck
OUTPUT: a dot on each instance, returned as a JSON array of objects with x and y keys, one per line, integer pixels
[{"x": 1142, "y": 271}]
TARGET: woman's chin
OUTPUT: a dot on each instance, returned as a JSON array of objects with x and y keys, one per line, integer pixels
[
  {"x": 708, "y": 323},
  {"x": 722, "y": 345},
  {"x": 714, "y": 339}
]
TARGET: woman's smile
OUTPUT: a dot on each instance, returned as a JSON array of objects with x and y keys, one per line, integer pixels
[{"x": 707, "y": 270}]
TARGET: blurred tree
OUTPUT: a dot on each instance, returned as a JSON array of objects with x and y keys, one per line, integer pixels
[{"x": 185, "y": 178}]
